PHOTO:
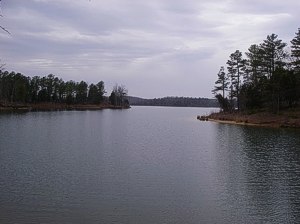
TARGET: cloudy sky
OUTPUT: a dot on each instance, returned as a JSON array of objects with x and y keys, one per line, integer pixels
[{"x": 155, "y": 48}]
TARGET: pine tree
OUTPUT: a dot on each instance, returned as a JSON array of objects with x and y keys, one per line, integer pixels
[
  {"x": 254, "y": 69},
  {"x": 221, "y": 83},
  {"x": 296, "y": 50},
  {"x": 236, "y": 69},
  {"x": 274, "y": 54}
]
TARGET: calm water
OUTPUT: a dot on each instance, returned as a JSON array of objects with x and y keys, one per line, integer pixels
[{"x": 145, "y": 165}]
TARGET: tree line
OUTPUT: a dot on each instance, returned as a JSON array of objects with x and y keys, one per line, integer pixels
[
  {"x": 17, "y": 88},
  {"x": 267, "y": 77},
  {"x": 174, "y": 102}
]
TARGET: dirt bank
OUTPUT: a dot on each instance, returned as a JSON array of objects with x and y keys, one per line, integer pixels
[{"x": 287, "y": 119}]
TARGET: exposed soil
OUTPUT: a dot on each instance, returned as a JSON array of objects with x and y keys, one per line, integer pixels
[{"x": 286, "y": 119}]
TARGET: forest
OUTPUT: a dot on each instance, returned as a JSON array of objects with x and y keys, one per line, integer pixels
[
  {"x": 17, "y": 88},
  {"x": 266, "y": 77},
  {"x": 174, "y": 102}
]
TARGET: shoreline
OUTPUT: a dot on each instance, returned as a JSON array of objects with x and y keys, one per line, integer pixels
[
  {"x": 244, "y": 123},
  {"x": 56, "y": 107},
  {"x": 286, "y": 119}
]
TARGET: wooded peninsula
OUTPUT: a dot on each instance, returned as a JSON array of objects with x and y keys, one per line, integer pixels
[
  {"x": 264, "y": 87},
  {"x": 20, "y": 92}
]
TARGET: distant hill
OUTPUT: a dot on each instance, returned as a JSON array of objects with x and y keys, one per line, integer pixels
[{"x": 173, "y": 102}]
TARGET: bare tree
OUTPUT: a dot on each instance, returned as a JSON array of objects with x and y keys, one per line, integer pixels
[
  {"x": 1, "y": 27},
  {"x": 118, "y": 95}
]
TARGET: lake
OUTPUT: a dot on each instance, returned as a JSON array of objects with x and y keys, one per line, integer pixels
[{"x": 155, "y": 165}]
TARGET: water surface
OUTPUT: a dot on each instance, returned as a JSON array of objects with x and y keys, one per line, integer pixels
[{"x": 145, "y": 165}]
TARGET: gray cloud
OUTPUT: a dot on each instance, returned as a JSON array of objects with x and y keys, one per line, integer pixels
[{"x": 155, "y": 48}]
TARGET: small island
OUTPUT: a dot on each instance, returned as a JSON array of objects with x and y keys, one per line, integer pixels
[{"x": 264, "y": 88}]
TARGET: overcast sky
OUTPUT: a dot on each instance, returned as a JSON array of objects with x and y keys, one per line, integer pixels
[{"x": 155, "y": 48}]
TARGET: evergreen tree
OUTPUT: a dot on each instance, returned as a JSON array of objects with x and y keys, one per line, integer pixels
[
  {"x": 93, "y": 94},
  {"x": 224, "y": 103},
  {"x": 70, "y": 88},
  {"x": 296, "y": 50},
  {"x": 112, "y": 98},
  {"x": 81, "y": 92},
  {"x": 254, "y": 64},
  {"x": 49, "y": 84},
  {"x": 100, "y": 91},
  {"x": 96, "y": 92},
  {"x": 21, "y": 87},
  {"x": 236, "y": 69},
  {"x": 61, "y": 90},
  {"x": 221, "y": 83},
  {"x": 274, "y": 54}
]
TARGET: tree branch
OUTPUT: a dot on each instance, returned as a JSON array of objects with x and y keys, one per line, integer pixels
[{"x": 1, "y": 27}]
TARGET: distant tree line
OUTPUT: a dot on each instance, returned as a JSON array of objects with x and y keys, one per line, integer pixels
[
  {"x": 174, "y": 102},
  {"x": 268, "y": 77},
  {"x": 17, "y": 88}
]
